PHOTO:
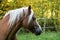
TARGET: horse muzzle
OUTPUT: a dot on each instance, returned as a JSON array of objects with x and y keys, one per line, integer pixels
[{"x": 38, "y": 31}]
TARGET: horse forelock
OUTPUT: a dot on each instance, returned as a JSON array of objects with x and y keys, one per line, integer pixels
[{"x": 30, "y": 16}]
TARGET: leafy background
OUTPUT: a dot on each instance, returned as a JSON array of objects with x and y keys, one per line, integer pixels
[
  {"x": 48, "y": 9},
  {"x": 47, "y": 13}
]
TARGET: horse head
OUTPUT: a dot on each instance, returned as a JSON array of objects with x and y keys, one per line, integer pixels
[{"x": 30, "y": 22}]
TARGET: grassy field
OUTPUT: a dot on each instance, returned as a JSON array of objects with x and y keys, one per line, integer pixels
[{"x": 43, "y": 36}]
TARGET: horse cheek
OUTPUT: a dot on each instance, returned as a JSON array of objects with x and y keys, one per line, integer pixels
[{"x": 25, "y": 23}]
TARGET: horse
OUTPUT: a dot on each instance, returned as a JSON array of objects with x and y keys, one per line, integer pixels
[{"x": 13, "y": 20}]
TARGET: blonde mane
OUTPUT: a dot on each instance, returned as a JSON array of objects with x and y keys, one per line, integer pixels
[{"x": 15, "y": 15}]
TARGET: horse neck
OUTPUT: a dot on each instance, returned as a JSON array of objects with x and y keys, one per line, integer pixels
[
  {"x": 4, "y": 27},
  {"x": 14, "y": 31},
  {"x": 15, "y": 28}
]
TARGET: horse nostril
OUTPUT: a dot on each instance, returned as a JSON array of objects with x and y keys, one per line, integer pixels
[{"x": 38, "y": 31}]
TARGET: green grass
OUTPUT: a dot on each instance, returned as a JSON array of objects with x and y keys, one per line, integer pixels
[{"x": 43, "y": 36}]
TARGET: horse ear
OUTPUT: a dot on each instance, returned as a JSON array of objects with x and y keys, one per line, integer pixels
[{"x": 29, "y": 9}]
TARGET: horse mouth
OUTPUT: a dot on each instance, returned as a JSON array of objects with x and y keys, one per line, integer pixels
[{"x": 37, "y": 32}]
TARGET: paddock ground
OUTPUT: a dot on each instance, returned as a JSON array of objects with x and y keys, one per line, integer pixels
[{"x": 43, "y": 36}]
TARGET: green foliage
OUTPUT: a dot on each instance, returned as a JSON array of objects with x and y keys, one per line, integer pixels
[
  {"x": 43, "y": 36},
  {"x": 40, "y": 8}
]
